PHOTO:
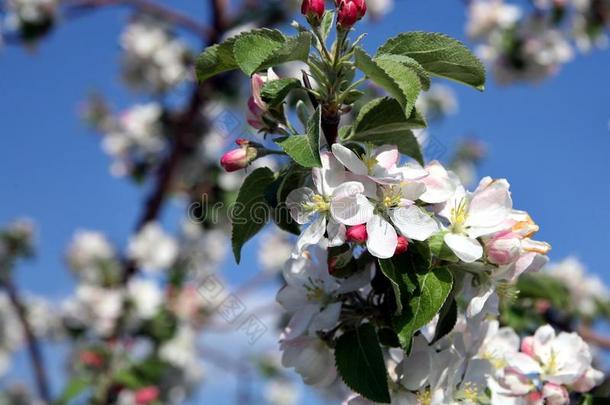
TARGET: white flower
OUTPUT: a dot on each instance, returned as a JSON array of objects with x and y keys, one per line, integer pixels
[
  {"x": 334, "y": 203},
  {"x": 152, "y": 248},
  {"x": 311, "y": 358},
  {"x": 145, "y": 296},
  {"x": 89, "y": 253},
  {"x": 473, "y": 215},
  {"x": 485, "y": 16},
  {"x": 378, "y": 165},
  {"x": 281, "y": 393},
  {"x": 310, "y": 293},
  {"x": 585, "y": 290}
]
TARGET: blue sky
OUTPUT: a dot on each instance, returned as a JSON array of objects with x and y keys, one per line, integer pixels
[{"x": 550, "y": 140}]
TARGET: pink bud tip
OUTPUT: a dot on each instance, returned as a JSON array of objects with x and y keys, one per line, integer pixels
[
  {"x": 146, "y": 395},
  {"x": 527, "y": 346},
  {"x": 91, "y": 359},
  {"x": 242, "y": 141},
  {"x": 356, "y": 234},
  {"x": 402, "y": 245},
  {"x": 234, "y": 160}
]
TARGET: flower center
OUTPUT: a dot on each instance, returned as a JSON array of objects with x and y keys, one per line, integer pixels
[
  {"x": 459, "y": 214},
  {"x": 424, "y": 397},
  {"x": 318, "y": 203},
  {"x": 471, "y": 392},
  {"x": 391, "y": 197}
]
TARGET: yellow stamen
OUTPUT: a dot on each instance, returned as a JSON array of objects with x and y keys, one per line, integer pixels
[{"x": 424, "y": 397}]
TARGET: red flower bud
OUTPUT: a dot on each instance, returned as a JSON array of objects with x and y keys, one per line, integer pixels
[
  {"x": 350, "y": 11},
  {"x": 313, "y": 10},
  {"x": 91, "y": 359},
  {"x": 146, "y": 395},
  {"x": 356, "y": 234},
  {"x": 348, "y": 14},
  {"x": 239, "y": 158},
  {"x": 402, "y": 245}
]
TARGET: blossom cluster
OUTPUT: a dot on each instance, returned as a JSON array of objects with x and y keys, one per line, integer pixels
[
  {"x": 371, "y": 202},
  {"x": 532, "y": 47}
]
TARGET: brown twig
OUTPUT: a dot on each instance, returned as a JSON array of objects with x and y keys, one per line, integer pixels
[
  {"x": 152, "y": 8},
  {"x": 32, "y": 343}
]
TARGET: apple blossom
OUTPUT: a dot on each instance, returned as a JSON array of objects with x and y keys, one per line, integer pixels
[
  {"x": 311, "y": 358},
  {"x": 257, "y": 108},
  {"x": 474, "y": 215},
  {"x": 152, "y": 248}
]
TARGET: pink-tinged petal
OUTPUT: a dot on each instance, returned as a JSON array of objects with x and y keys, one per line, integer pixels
[
  {"x": 555, "y": 394},
  {"x": 387, "y": 156},
  {"x": 588, "y": 380},
  {"x": 257, "y": 83},
  {"x": 412, "y": 172},
  {"x": 490, "y": 205},
  {"x": 348, "y": 189},
  {"x": 413, "y": 222},
  {"x": 382, "y": 237},
  {"x": 294, "y": 203},
  {"x": 349, "y": 159},
  {"x": 439, "y": 185},
  {"x": 467, "y": 249}
]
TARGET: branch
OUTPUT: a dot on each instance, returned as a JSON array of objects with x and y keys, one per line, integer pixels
[
  {"x": 149, "y": 7},
  {"x": 589, "y": 335},
  {"x": 31, "y": 340}
]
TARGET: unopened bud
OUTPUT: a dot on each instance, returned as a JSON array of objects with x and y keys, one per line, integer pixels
[
  {"x": 356, "y": 234},
  {"x": 313, "y": 10},
  {"x": 239, "y": 158},
  {"x": 402, "y": 245},
  {"x": 350, "y": 11},
  {"x": 146, "y": 395}
]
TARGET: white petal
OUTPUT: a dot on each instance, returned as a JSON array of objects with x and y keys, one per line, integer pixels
[
  {"x": 467, "y": 249},
  {"x": 387, "y": 156},
  {"x": 312, "y": 235},
  {"x": 439, "y": 186},
  {"x": 412, "y": 190},
  {"x": 413, "y": 222},
  {"x": 294, "y": 202},
  {"x": 326, "y": 319},
  {"x": 382, "y": 238},
  {"x": 352, "y": 210},
  {"x": 490, "y": 205},
  {"x": 300, "y": 321},
  {"x": 477, "y": 303},
  {"x": 291, "y": 298},
  {"x": 349, "y": 159},
  {"x": 330, "y": 176}
]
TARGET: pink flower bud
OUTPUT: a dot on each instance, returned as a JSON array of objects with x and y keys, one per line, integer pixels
[
  {"x": 91, "y": 359},
  {"x": 239, "y": 158},
  {"x": 146, "y": 395},
  {"x": 503, "y": 248},
  {"x": 313, "y": 10},
  {"x": 527, "y": 345},
  {"x": 361, "y": 7},
  {"x": 356, "y": 234},
  {"x": 348, "y": 15},
  {"x": 555, "y": 394},
  {"x": 402, "y": 245}
]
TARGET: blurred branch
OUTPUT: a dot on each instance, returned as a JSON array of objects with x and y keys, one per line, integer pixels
[
  {"x": 149, "y": 7},
  {"x": 32, "y": 343},
  {"x": 588, "y": 334}
]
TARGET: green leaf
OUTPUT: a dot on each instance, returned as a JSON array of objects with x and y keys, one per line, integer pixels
[
  {"x": 326, "y": 24},
  {"x": 252, "y": 51},
  {"x": 251, "y": 210},
  {"x": 75, "y": 387},
  {"x": 305, "y": 149},
  {"x": 447, "y": 318},
  {"x": 303, "y": 112},
  {"x": 411, "y": 63},
  {"x": 388, "y": 268},
  {"x": 429, "y": 292},
  {"x": 383, "y": 121},
  {"x": 398, "y": 80},
  {"x": 275, "y": 91},
  {"x": 440, "y": 55},
  {"x": 360, "y": 363},
  {"x": 439, "y": 248},
  {"x": 255, "y": 51}
]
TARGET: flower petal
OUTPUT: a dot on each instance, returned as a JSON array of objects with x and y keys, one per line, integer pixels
[
  {"x": 312, "y": 235},
  {"x": 349, "y": 159},
  {"x": 467, "y": 249},
  {"x": 382, "y": 238},
  {"x": 413, "y": 222},
  {"x": 295, "y": 202}
]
